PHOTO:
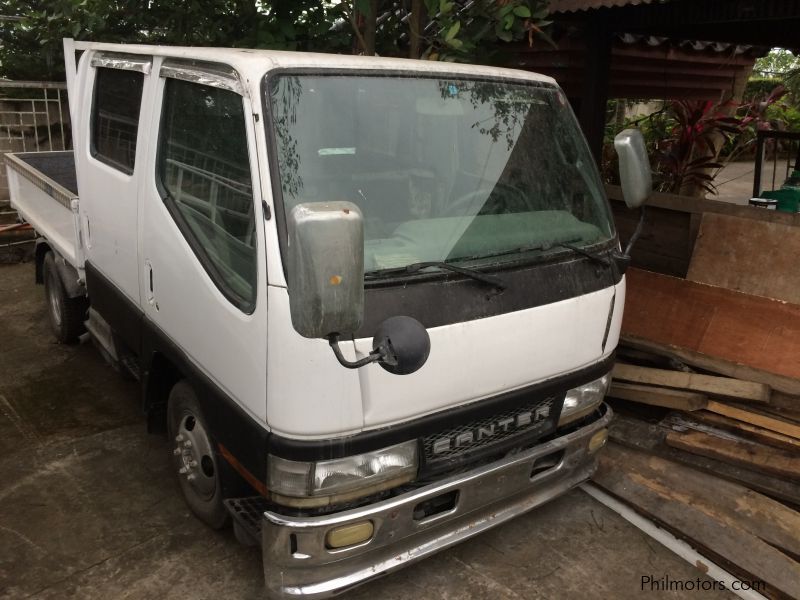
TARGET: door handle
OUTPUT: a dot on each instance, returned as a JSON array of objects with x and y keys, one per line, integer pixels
[{"x": 151, "y": 297}]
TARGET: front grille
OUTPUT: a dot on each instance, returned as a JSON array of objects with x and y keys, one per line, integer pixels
[{"x": 477, "y": 438}]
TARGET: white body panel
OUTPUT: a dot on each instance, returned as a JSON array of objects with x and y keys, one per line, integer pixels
[
  {"x": 486, "y": 357},
  {"x": 49, "y": 218},
  {"x": 185, "y": 304},
  {"x": 310, "y": 395}
]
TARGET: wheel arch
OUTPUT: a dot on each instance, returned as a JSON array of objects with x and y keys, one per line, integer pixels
[
  {"x": 160, "y": 375},
  {"x": 42, "y": 248}
]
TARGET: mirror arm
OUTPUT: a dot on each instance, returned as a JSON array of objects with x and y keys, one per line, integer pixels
[
  {"x": 636, "y": 233},
  {"x": 622, "y": 260},
  {"x": 380, "y": 354}
]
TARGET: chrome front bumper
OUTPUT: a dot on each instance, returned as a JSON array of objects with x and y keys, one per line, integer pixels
[{"x": 297, "y": 563}]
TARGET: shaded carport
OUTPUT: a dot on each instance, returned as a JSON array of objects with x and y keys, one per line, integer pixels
[{"x": 639, "y": 49}]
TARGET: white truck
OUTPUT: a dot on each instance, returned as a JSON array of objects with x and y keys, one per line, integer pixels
[{"x": 373, "y": 302}]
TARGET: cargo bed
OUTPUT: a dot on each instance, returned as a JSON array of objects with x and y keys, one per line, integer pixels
[{"x": 44, "y": 191}]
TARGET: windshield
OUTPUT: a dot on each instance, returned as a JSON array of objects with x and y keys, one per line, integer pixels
[{"x": 443, "y": 170}]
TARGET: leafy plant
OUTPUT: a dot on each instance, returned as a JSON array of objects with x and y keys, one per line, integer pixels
[
  {"x": 451, "y": 30},
  {"x": 685, "y": 161}
]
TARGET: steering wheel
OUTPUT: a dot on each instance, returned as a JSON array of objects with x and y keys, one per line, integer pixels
[{"x": 503, "y": 198}]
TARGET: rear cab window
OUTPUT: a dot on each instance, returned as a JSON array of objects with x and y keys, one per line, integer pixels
[{"x": 115, "y": 117}]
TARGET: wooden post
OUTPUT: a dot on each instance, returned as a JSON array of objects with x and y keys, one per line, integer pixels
[{"x": 594, "y": 89}]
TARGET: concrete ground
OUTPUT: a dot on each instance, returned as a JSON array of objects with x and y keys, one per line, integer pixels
[
  {"x": 735, "y": 181},
  {"x": 90, "y": 509}
]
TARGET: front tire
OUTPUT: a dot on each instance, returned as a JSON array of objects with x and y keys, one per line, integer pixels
[
  {"x": 66, "y": 315},
  {"x": 193, "y": 456}
]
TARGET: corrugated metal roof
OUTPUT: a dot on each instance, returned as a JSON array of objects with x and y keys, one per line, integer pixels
[{"x": 579, "y": 5}]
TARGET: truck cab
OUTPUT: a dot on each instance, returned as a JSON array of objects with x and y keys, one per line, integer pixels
[{"x": 373, "y": 302}]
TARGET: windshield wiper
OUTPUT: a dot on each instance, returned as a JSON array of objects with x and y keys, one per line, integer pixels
[
  {"x": 471, "y": 273},
  {"x": 595, "y": 257}
]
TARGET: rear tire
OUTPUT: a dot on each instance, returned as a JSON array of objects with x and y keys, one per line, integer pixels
[
  {"x": 194, "y": 458},
  {"x": 66, "y": 315}
]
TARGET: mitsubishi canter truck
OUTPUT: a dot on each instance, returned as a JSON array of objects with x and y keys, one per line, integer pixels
[{"x": 373, "y": 302}]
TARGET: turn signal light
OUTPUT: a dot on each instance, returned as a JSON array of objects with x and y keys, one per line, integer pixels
[
  {"x": 349, "y": 535},
  {"x": 598, "y": 440}
]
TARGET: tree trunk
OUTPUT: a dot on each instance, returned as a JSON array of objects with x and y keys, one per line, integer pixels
[
  {"x": 370, "y": 28},
  {"x": 415, "y": 29}
]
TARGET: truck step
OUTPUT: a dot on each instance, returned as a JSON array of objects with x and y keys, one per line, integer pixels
[
  {"x": 247, "y": 514},
  {"x": 102, "y": 336},
  {"x": 129, "y": 362}
]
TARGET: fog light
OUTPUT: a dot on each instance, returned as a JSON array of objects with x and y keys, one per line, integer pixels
[
  {"x": 598, "y": 440},
  {"x": 349, "y": 535}
]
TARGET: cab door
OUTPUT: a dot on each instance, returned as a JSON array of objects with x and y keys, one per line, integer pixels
[
  {"x": 110, "y": 160},
  {"x": 202, "y": 267}
]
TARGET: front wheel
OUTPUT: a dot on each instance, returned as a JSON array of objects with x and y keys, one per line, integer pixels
[
  {"x": 194, "y": 458},
  {"x": 66, "y": 315}
]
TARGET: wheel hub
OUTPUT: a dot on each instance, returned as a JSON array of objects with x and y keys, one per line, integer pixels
[
  {"x": 195, "y": 459},
  {"x": 55, "y": 302}
]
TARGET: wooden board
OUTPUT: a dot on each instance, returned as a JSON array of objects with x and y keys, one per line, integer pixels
[
  {"x": 701, "y": 206},
  {"x": 754, "y": 257},
  {"x": 765, "y": 436},
  {"x": 763, "y": 517},
  {"x": 656, "y": 396},
  {"x": 729, "y": 368},
  {"x": 636, "y": 434},
  {"x": 771, "y": 423},
  {"x": 725, "y": 387},
  {"x": 779, "y": 462},
  {"x": 665, "y": 245},
  {"x": 786, "y": 403},
  {"x": 728, "y": 520},
  {"x": 760, "y": 334}
]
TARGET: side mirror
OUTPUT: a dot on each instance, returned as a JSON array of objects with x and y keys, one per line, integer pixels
[
  {"x": 634, "y": 167},
  {"x": 326, "y": 268}
]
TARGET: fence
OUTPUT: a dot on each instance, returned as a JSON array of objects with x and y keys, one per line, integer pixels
[
  {"x": 34, "y": 117},
  {"x": 790, "y": 153}
]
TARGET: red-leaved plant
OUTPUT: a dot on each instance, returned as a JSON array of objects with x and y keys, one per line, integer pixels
[{"x": 689, "y": 160}]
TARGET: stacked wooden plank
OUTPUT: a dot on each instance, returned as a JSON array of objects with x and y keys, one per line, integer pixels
[
  {"x": 748, "y": 534},
  {"x": 707, "y": 436},
  {"x": 711, "y": 459}
]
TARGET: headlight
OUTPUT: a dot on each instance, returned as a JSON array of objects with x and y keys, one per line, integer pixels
[
  {"x": 320, "y": 483},
  {"x": 582, "y": 400}
]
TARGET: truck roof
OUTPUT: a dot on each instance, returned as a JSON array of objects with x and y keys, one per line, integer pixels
[{"x": 254, "y": 64}]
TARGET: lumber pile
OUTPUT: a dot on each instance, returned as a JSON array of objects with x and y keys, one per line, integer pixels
[
  {"x": 721, "y": 418},
  {"x": 713, "y": 459},
  {"x": 707, "y": 392},
  {"x": 752, "y": 536}
]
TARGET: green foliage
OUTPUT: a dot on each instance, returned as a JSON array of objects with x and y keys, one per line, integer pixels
[
  {"x": 760, "y": 87},
  {"x": 31, "y": 48},
  {"x": 453, "y": 30},
  {"x": 784, "y": 117},
  {"x": 783, "y": 67},
  {"x": 469, "y": 31},
  {"x": 777, "y": 62}
]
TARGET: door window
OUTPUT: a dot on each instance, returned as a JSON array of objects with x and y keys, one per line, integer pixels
[
  {"x": 115, "y": 117},
  {"x": 204, "y": 176}
]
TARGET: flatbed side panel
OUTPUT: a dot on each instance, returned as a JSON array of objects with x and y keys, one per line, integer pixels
[{"x": 48, "y": 206}]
